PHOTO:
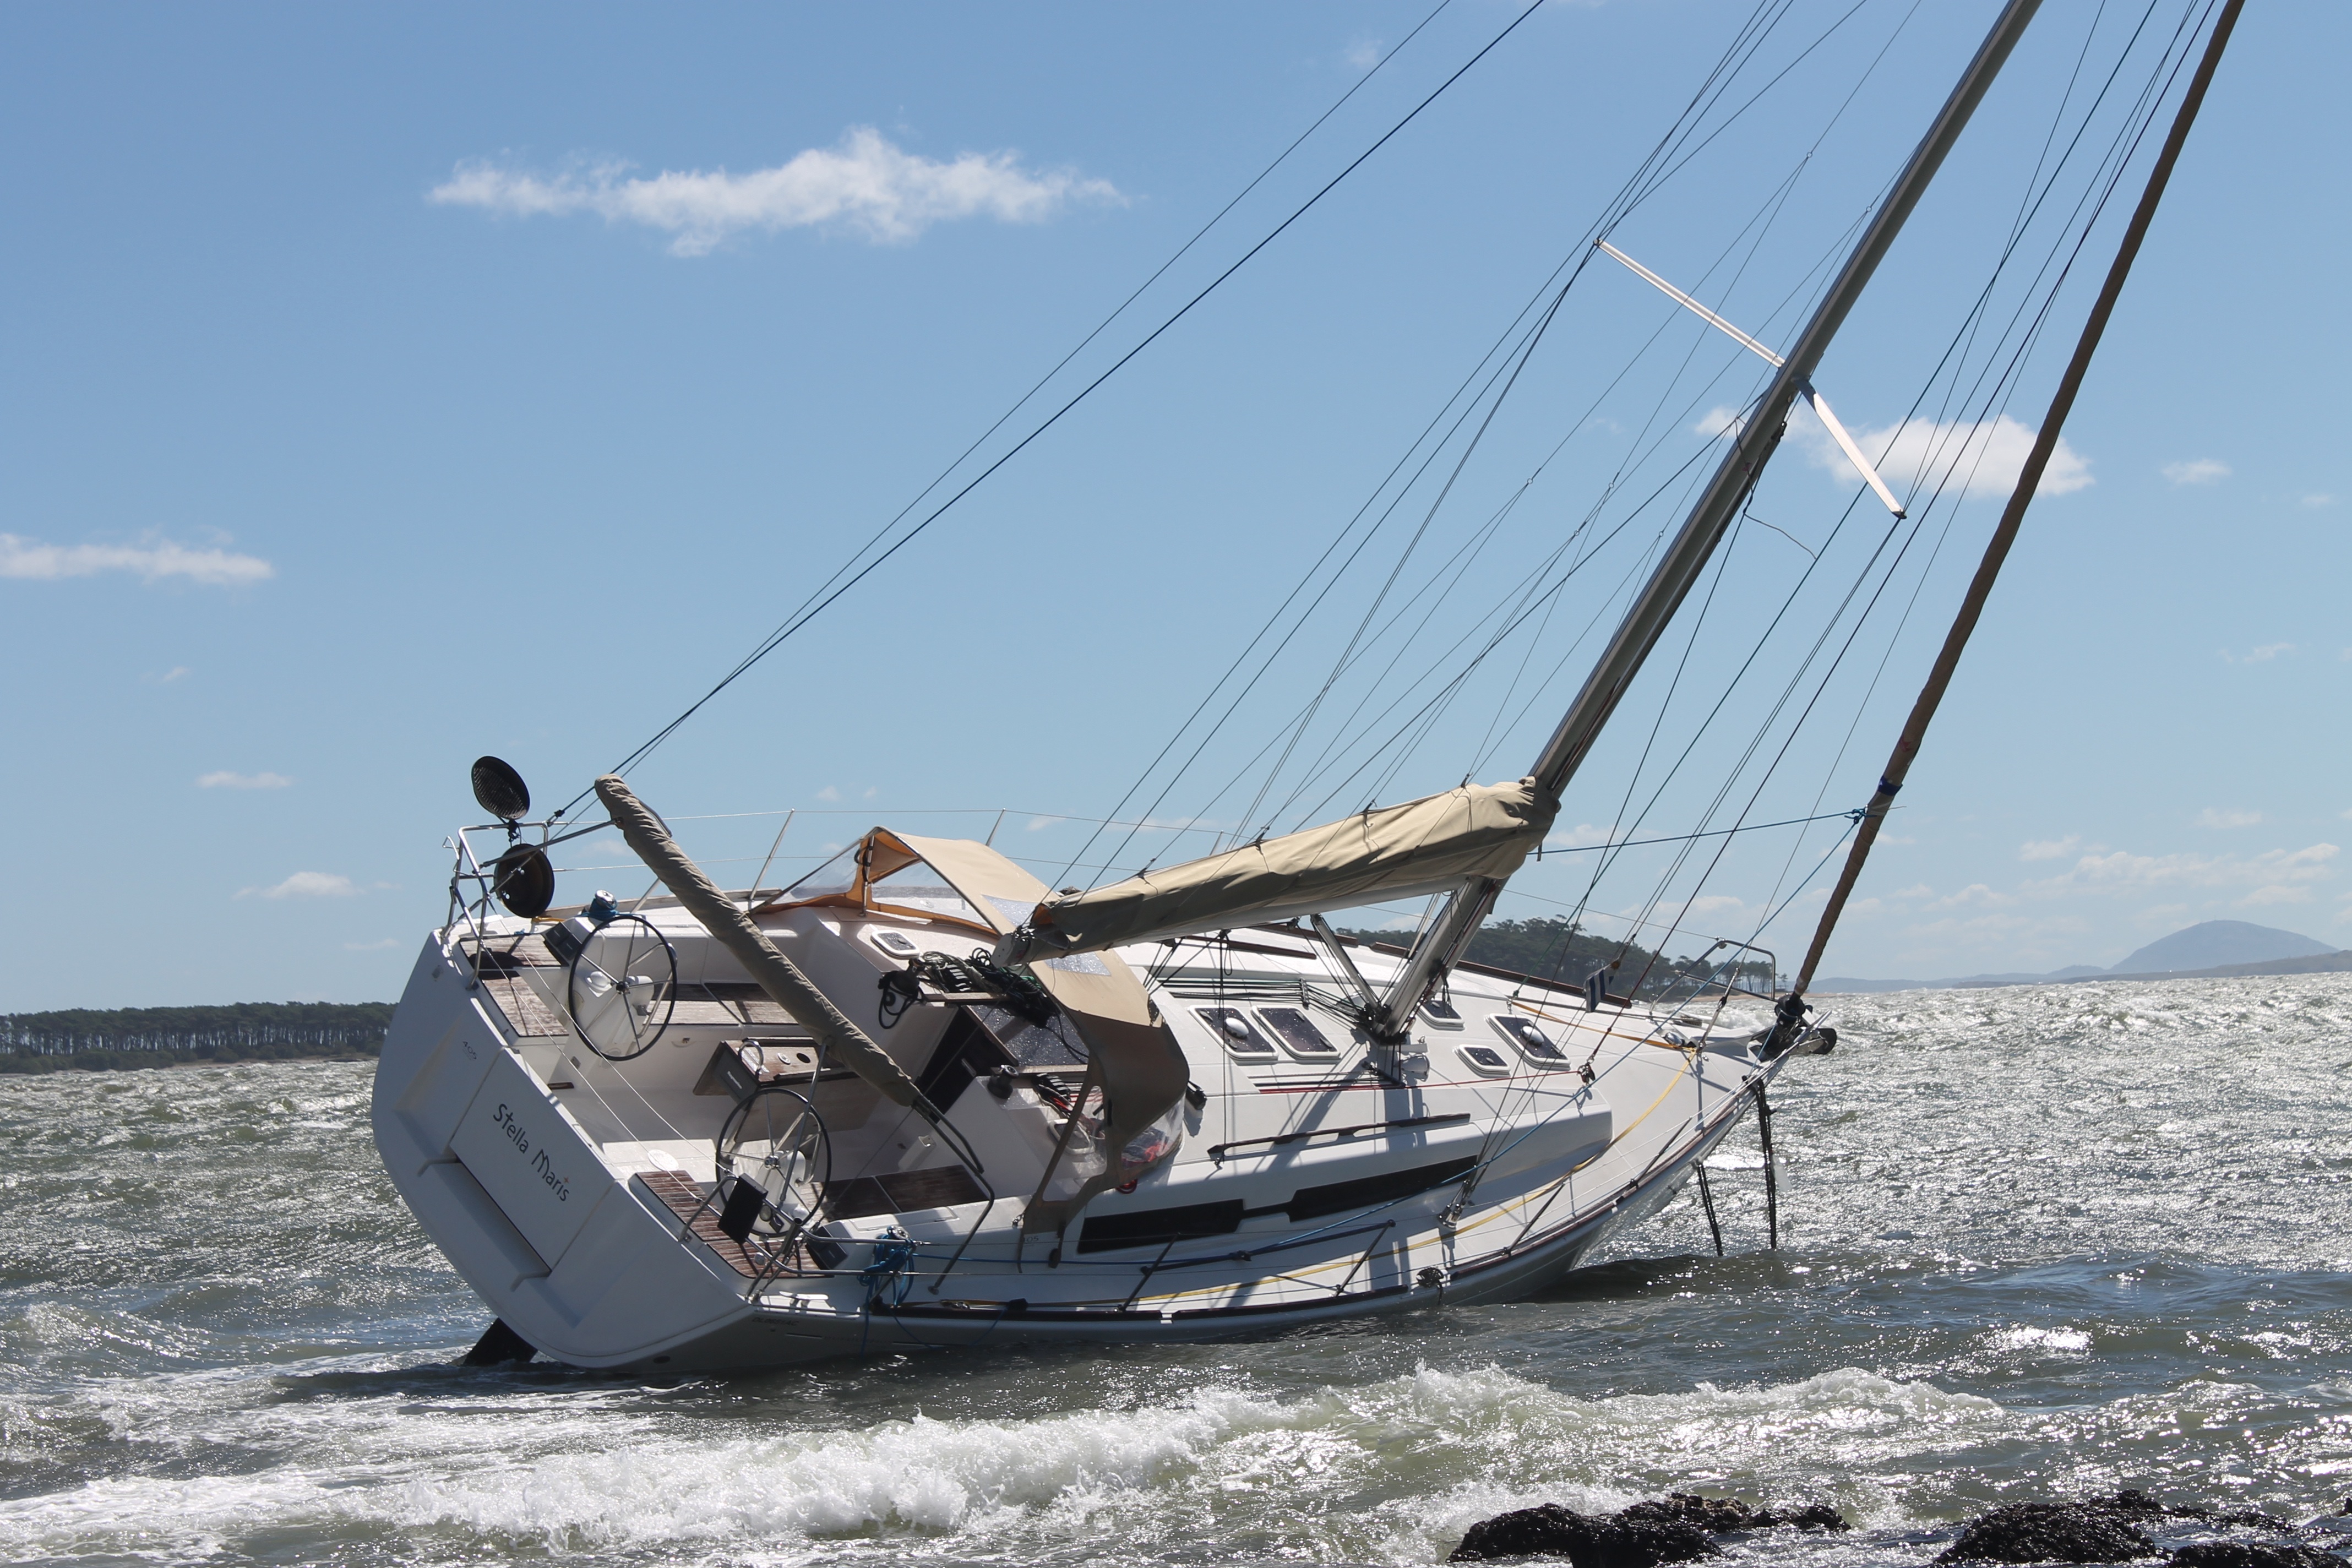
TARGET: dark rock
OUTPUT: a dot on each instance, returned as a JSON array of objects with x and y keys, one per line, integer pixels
[
  {"x": 2136, "y": 1503},
  {"x": 1812, "y": 1516},
  {"x": 1717, "y": 1515},
  {"x": 2132, "y": 1500},
  {"x": 1712, "y": 1514},
  {"x": 2252, "y": 1554},
  {"x": 1585, "y": 1540},
  {"x": 2099, "y": 1531}
]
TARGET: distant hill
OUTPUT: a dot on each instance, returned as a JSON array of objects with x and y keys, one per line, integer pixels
[
  {"x": 1849, "y": 985},
  {"x": 2210, "y": 949},
  {"x": 2214, "y": 943},
  {"x": 2313, "y": 964}
]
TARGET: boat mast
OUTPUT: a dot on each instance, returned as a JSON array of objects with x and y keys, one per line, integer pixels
[
  {"x": 1793, "y": 1009},
  {"x": 1703, "y": 530}
]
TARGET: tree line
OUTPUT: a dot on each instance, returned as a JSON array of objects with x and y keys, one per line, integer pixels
[
  {"x": 161, "y": 1036},
  {"x": 1555, "y": 948}
]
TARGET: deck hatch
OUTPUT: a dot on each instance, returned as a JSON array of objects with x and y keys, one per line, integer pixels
[
  {"x": 1529, "y": 1037},
  {"x": 1298, "y": 1032},
  {"x": 1232, "y": 1026}
]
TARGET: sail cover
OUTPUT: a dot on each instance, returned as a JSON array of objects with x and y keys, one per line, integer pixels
[{"x": 1422, "y": 847}]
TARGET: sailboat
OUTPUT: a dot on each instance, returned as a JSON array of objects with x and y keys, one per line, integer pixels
[{"x": 918, "y": 1099}]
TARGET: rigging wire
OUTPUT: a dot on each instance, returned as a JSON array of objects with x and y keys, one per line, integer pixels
[
  {"x": 819, "y": 604},
  {"x": 1642, "y": 182},
  {"x": 1400, "y": 748},
  {"x": 2120, "y": 147},
  {"x": 1961, "y": 339},
  {"x": 2132, "y": 135},
  {"x": 2058, "y": 120}
]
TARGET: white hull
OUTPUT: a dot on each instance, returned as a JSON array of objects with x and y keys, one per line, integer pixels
[{"x": 571, "y": 1193}]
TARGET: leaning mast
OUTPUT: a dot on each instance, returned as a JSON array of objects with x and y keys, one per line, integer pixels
[{"x": 1703, "y": 528}]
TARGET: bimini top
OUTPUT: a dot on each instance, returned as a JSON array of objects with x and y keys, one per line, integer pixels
[
  {"x": 1422, "y": 847},
  {"x": 1139, "y": 1063}
]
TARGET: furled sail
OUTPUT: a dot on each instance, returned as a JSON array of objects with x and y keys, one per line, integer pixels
[{"x": 1422, "y": 847}]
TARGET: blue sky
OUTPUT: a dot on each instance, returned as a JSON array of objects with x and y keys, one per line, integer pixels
[{"x": 386, "y": 387}]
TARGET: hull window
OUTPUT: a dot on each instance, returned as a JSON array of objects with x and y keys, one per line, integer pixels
[
  {"x": 1313, "y": 1202},
  {"x": 1158, "y": 1228}
]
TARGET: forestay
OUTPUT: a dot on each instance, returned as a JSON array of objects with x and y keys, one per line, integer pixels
[{"x": 1422, "y": 847}]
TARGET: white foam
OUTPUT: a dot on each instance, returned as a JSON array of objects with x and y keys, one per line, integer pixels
[
  {"x": 2030, "y": 1339},
  {"x": 568, "y": 1470}
]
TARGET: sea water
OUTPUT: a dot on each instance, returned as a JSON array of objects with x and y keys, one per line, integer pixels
[{"x": 2035, "y": 1243}]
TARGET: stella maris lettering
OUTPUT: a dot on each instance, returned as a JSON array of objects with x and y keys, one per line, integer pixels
[
  {"x": 541, "y": 1165},
  {"x": 505, "y": 1122}
]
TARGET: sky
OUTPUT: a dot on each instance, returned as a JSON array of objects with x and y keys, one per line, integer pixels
[{"x": 384, "y": 387}]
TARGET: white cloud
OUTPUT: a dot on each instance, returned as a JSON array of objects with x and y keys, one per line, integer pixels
[
  {"x": 1363, "y": 54},
  {"x": 306, "y": 885},
  {"x": 2005, "y": 940},
  {"x": 2201, "y": 471},
  {"x": 2049, "y": 848},
  {"x": 226, "y": 780},
  {"x": 863, "y": 184},
  {"x": 1984, "y": 456},
  {"x": 2123, "y": 869},
  {"x": 153, "y": 558},
  {"x": 2219, "y": 817},
  {"x": 2317, "y": 499},
  {"x": 828, "y": 793},
  {"x": 2262, "y": 655},
  {"x": 376, "y": 946},
  {"x": 1723, "y": 419}
]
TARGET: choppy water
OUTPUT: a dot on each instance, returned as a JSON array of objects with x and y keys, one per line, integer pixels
[{"x": 2037, "y": 1243}]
